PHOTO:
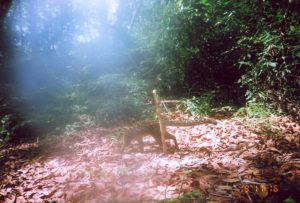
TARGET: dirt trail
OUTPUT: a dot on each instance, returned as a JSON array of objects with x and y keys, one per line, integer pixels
[{"x": 87, "y": 167}]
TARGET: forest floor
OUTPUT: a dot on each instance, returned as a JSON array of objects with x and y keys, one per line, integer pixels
[{"x": 236, "y": 160}]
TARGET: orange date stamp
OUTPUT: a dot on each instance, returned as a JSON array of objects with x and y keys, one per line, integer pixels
[{"x": 259, "y": 188}]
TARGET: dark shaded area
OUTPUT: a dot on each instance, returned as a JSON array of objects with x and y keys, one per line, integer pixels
[
  {"x": 4, "y": 47},
  {"x": 13, "y": 124}
]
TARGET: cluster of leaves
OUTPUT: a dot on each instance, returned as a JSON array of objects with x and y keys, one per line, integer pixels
[
  {"x": 271, "y": 55},
  {"x": 193, "y": 196},
  {"x": 203, "y": 45},
  {"x": 255, "y": 109},
  {"x": 185, "y": 47},
  {"x": 182, "y": 44},
  {"x": 11, "y": 127},
  {"x": 198, "y": 106},
  {"x": 104, "y": 99},
  {"x": 5, "y": 130},
  {"x": 109, "y": 98}
]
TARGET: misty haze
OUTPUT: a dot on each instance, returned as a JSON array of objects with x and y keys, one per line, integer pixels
[{"x": 131, "y": 101}]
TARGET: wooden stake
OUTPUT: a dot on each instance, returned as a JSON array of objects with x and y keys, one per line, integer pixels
[{"x": 161, "y": 124}]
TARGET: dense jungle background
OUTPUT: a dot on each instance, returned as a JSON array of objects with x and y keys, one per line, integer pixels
[
  {"x": 60, "y": 60},
  {"x": 72, "y": 66}
]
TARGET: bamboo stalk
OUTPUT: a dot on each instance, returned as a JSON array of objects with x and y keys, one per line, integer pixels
[
  {"x": 161, "y": 124},
  {"x": 170, "y": 101}
]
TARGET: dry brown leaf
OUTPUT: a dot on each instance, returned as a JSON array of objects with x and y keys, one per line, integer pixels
[
  {"x": 231, "y": 180},
  {"x": 21, "y": 199},
  {"x": 224, "y": 187},
  {"x": 205, "y": 159}
]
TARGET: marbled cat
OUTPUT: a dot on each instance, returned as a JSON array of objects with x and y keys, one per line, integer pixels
[{"x": 152, "y": 128}]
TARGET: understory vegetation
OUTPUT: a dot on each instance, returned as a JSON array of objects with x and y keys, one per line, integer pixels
[
  {"x": 210, "y": 54},
  {"x": 77, "y": 117}
]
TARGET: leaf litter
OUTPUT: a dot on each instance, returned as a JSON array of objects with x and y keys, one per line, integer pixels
[{"x": 236, "y": 160}]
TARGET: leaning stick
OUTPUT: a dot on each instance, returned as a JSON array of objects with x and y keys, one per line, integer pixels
[{"x": 161, "y": 124}]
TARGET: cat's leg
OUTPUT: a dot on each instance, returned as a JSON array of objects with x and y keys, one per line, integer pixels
[
  {"x": 158, "y": 140},
  {"x": 126, "y": 142},
  {"x": 141, "y": 143},
  {"x": 170, "y": 136}
]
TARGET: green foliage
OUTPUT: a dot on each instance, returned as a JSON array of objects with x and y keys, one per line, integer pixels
[
  {"x": 198, "y": 106},
  {"x": 10, "y": 127},
  {"x": 199, "y": 45},
  {"x": 178, "y": 47},
  {"x": 224, "y": 111},
  {"x": 289, "y": 200},
  {"x": 195, "y": 196},
  {"x": 105, "y": 99},
  {"x": 271, "y": 57},
  {"x": 110, "y": 98},
  {"x": 5, "y": 131},
  {"x": 255, "y": 110},
  {"x": 84, "y": 121},
  {"x": 183, "y": 44},
  {"x": 156, "y": 36}
]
